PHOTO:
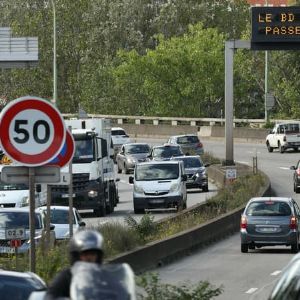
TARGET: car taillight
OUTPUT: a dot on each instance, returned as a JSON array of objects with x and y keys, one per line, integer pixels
[
  {"x": 199, "y": 145},
  {"x": 243, "y": 222},
  {"x": 293, "y": 223},
  {"x": 284, "y": 138},
  {"x": 298, "y": 172}
]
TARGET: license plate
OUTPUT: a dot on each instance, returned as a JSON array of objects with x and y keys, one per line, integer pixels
[
  {"x": 7, "y": 250},
  {"x": 67, "y": 196},
  {"x": 157, "y": 201},
  {"x": 267, "y": 229}
]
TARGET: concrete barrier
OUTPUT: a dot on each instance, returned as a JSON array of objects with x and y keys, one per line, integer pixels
[
  {"x": 165, "y": 130},
  {"x": 157, "y": 253}
]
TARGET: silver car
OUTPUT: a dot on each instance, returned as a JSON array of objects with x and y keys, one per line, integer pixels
[
  {"x": 189, "y": 143},
  {"x": 131, "y": 154},
  {"x": 270, "y": 221}
]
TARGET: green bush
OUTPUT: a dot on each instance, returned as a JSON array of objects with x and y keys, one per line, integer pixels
[{"x": 154, "y": 289}]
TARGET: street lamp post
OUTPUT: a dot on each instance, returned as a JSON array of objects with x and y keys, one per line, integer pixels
[
  {"x": 54, "y": 55},
  {"x": 266, "y": 81}
]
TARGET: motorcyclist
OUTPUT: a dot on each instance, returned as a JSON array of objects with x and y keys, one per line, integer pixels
[{"x": 86, "y": 246}]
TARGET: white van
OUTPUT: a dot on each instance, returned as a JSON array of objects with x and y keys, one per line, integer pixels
[{"x": 159, "y": 184}]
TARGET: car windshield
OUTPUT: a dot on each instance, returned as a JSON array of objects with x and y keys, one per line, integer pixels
[
  {"x": 18, "y": 288},
  {"x": 190, "y": 139},
  {"x": 16, "y": 219},
  {"x": 118, "y": 132},
  {"x": 83, "y": 150},
  {"x": 135, "y": 149},
  {"x": 191, "y": 162},
  {"x": 268, "y": 208},
  {"x": 60, "y": 216},
  {"x": 166, "y": 152},
  {"x": 12, "y": 187},
  {"x": 157, "y": 172}
]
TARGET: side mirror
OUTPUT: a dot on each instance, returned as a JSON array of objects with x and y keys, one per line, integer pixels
[
  {"x": 131, "y": 179},
  {"x": 206, "y": 165},
  {"x": 117, "y": 179},
  {"x": 184, "y": 177},
  {"x": 81, "y": 224},
  {"x": 111, "y": 156},
  {"x": 292, "y": 168},
  {"x": 52, "y": 226}
]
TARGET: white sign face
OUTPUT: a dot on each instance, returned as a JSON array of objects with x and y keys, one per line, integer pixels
[
  {"x": 230, "y": 173},
  {"x": 15, "y": 233},
  {"x": 32, "y": 131}
]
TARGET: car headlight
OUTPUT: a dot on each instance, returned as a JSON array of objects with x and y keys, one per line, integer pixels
[
  {"x": 25, "y": 201},
  {"x": 201, "y": 174},
  {"x": 138, "y": 189},
  {"x": 92, "y": 193},
  {"x": 174, "y": 187},
  {"x": 131, "y": 160}
]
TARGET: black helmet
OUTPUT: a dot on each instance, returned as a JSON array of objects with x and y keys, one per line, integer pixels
[{"x": 86, "y": 240}]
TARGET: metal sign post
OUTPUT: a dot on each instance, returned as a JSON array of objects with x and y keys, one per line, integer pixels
[
  {"x": 71, "y": 194},
  {"x": 32, "y": 218}
]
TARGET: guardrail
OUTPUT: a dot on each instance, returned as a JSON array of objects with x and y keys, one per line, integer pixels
[{"x": 176, "y": 121}]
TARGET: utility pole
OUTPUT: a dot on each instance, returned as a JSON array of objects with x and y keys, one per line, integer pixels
[{"x": 266, "y": 80}]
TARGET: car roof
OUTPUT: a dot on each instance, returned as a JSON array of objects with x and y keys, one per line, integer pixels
[
  {"x": 160, "y": 162},
  {"x": 19, "y": 274},
  {"x": 166, "y": 145},
  {"x": 182, "y": 135},
  {"x": 56, "y": 207},
  {"x": 117, "y": 128},
  {"x": 278, "y": 199},
  {"x": 186, "y": 157},
  {"x": 15, "y": 209},
  {"x": 130, "y": 144}
]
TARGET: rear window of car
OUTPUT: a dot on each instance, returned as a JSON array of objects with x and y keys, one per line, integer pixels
[
  {"x": 134, "y": 149},
  {"x": 188, "y": 139},
  {"x": 157, "y": 172},
  {"x": 268, "y": 208},
  {"x": 167, "y": 151}
]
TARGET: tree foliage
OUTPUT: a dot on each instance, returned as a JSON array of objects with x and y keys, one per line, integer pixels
[{"x": 146, "y": 57}]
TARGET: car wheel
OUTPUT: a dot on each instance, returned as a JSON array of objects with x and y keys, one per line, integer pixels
[
  {"x": 100, "y": 212},
  {"x": 270, "y": 149},
  {"x": 119, "y": 169},
  {"x": 205, "y": 188},
  {"x": 281, "y": 148},
  {"x": 126, "y": 169},
  {"x": 139, "y": 210},
  {"x": 295, "y": 248},
  {"x": 244, "y": 248}
]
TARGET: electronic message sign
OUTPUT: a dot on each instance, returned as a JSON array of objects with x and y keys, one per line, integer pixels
[{"x": 275, "y": 28}]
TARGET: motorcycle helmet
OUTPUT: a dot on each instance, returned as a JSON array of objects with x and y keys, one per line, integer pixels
[{"x": 86, "y": 240}]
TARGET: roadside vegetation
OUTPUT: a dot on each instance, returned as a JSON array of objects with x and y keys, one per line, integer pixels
[{"x": 119, "y": 238}]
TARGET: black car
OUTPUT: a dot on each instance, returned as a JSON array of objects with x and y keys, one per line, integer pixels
[
  {"x": 165, "y": 152},
  {"x": 19, "y": 285},
  {"x": 296, "y": 177}
]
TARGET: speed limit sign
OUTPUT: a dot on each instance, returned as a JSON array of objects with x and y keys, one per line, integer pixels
[{"x": 32, "y": 131}]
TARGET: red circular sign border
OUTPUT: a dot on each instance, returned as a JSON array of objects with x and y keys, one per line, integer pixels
[{"x": 26, "y": 103}]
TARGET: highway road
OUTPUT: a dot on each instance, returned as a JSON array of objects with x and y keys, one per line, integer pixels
[{"x": 243, "y": 276}]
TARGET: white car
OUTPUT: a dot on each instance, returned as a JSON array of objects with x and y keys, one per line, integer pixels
[
  {"x": 118, "y": 137},
  {"x": 59, "y": 217}
]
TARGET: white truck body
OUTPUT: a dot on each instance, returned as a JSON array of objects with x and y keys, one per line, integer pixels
[
  {"x": 284, "y": 136},
  {"x": 94, "y": 182}
]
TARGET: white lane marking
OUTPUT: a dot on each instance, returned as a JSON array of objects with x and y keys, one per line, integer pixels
[
  {"x": 251, "y": 291},
  {"x": 243, "y": 162},
  {"x": 284, "y": 168},
  {"x": 275, "y": 273}
]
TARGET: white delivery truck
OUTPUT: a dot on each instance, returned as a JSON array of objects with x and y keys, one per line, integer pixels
[
  {"x": 94, "y": 182},
  {"x": 17, "y": 195}
]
